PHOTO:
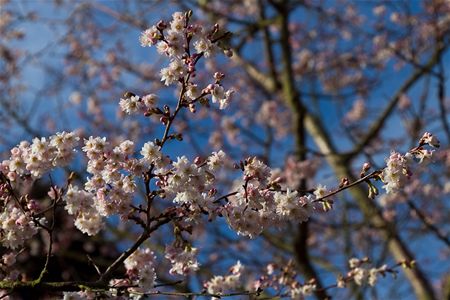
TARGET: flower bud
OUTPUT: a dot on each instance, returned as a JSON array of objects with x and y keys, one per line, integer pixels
[
  {"x": 228, "y": 52},
  {"x": 192, "y": 107},
  {"x": 161, "y": 25},
  {"x": 212, "y": 192},
  {"x": 218, "y": 76},
  {"x": 163, "y": 120}
]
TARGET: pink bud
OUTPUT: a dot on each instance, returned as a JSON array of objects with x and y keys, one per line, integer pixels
[
  {"x": 366, "y": 166},
  {"x": 163, "y": 120}
]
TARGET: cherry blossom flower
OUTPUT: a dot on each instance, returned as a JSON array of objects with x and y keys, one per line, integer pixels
[
  {"x": 140, "y": 268},
  {"x": 16, "y": 227},
  {"x": 149, "y": 37},
  {"x": 430, "y": 139},
  {"x": 131, "y": 104},
  {"x": 183, "y": 259},
  {"x": 220, "y": 284},
  {"x": 396, "y": 173}
]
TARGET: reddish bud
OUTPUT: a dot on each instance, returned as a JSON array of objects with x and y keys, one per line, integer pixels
[
  {"x": 212, "y": 192},
  {"x": 344, "y": 182}
]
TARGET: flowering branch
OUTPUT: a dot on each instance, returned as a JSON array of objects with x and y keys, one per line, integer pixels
[{"x": 259, "y": 200}]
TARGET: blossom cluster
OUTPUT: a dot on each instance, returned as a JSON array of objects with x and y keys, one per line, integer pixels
[
  {"x": 81, "y": 204},
  {"x": 397, "y": 172},
  {"x": 29, "y": 161},
  {"x": 299, "y": 292},
  {"x": 16, "y": 226},
  {"x": 152, "y": 155},
  {"x": 81, "y": 295},
  {"x": 183, "y": 259},
  {"x": 192, "y": 184},
  {"x": 40, "y": 156},
  {"x": 257, "y": 205},
  {"x": 398, "y": 167},
  {"x": 174, "y": 41},
  {"x": 132, "y": 103},
  {"x": 111, "y": 188},
  {"x": 219, "y": 284},
  {"x": 113, "y": 170},
  {"x": 7, "y": 270},
  {"x": 363, "y": 274},
  {"x": 109, "y": 191},
  {"x": 178, "y": 34},
  {"x": 140, "y": 269},
  {"x": 284, "y": 278}
]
